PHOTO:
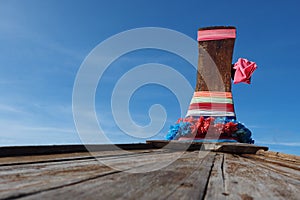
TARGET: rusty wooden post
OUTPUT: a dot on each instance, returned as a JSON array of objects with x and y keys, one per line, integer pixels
[
  {"x": 212, "y": 95},
  {"x": 220, "y": 51},
  {"x": 211, "y": 116}
]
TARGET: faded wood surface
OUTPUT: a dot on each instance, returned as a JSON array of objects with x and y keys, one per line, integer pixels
[
  {"x": 159, "y": 184},
  {"x": 237, "y": 177},
  {"x": 231, "y": 147},
  {"x": 194, "y": 174},
  {"x": 23, "y": 179},
  {"x": 59, "y": 149}
]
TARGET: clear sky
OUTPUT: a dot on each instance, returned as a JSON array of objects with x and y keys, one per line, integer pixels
[{"x": 43, "y": 43}]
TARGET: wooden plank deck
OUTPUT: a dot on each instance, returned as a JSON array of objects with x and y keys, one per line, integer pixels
[{"x": 194, "y": 174}]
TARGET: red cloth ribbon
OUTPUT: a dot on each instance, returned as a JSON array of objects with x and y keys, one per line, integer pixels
[
  {"x": 212, "y": 106},
  {"x": 243, "y": 70}
]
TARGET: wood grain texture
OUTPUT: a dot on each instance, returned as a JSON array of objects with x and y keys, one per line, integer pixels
[
  {"x": 61, "y": 149},
  {"x": 215, "y": 64},
  {"x": 234, "y": 177},
  {"x": 231, "y": 147},
  {"x": 34, "y": 177},
  {"x": 129, "y": 174},
  {"x": 184, "y": 179},
  {"x": 216, "y": 186}
]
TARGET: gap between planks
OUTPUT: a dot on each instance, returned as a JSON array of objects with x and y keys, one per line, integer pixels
[{"x": 245, "y": 178}]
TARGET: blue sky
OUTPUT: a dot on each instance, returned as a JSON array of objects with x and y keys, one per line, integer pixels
[{"x": 43, "y": 43}]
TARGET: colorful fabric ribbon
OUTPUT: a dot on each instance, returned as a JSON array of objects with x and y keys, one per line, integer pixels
[
  {"x": 216, "y": 34},
  {"x": 243, "y": 71},
  {"x": 217, "y": 129},
  {"x": 207, "y": 103}
]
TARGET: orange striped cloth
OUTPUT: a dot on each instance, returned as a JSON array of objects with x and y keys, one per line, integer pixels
[{"x": 211, "y": 103}]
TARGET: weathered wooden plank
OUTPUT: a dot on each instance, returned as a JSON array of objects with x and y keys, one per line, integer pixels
[
  {"x": 21, "y": 180},
  {"x": 248, "y": 179},
  {"x": 175, "y": 145},
  {"x": 234, "y": 177},
  {"x": 278, "y": 155},
  {"x": 20, "y": 160},
  {"x": 195, "y": 185},
  {"x": 216, "y": 188},
  {"x": 279, "y": 163},
  {"x": 265, "y": 175},
  {"x": 239, "y": 148},
  {"x": 236, "y": 148},
  {"x": 33, "y": 178},
  {"x": 287, "y": 165},
  {"x": 143, "y": 162},
  {"x": 59, "y": 149},
  {"x": 180, "y": 180},
  {"x": 293, "y": 159},
  {"x": 5, "y": 161}
]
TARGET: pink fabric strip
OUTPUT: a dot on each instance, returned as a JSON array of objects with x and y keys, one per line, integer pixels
[
  {"x": 243, "y": 70},
  {"x": 216, "y": 34}
]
